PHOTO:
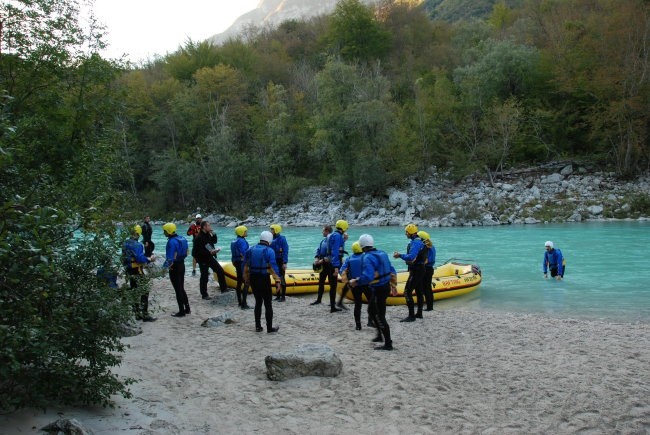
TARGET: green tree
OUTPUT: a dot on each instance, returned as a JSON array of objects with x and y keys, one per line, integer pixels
[
  {"x": 59, "y": 324},
  {"x": 355, "y": 33}
]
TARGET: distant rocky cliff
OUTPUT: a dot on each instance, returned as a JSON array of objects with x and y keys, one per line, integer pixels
[{"x": 274, "y": 12}]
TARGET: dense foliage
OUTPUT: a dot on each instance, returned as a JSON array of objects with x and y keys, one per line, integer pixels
[
  {"x": 60, "y": 174},
  {"x": 365, "y": 97}
]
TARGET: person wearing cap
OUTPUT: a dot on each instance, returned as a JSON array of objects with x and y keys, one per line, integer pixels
[
  {"x": 319, "y": 263},
  {"x": 379, "y": 274},
  {"x": 553, "y": 261},
  {"x": 352, "y": 267},
  {"x": 427, "y": 287},
  {"x": 134, "y": 260},
  {"x": 175, "y": 254},
  {"x": 415, "y": 257},
  {"x": 205, "y": 254},
  {"x": 258, "y": 263},
  {"x": 238, "y": 249},
  {"x": 147, "y": 233},
  {"x": 281, "y": 249},
  {"x": 194, "y": 231},
  {"x": 334, "y": 259}
]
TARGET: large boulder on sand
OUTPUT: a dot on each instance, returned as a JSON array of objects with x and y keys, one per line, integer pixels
[
  {"x": 67, "y": 426},
  {"x": 305, "y": 360}
]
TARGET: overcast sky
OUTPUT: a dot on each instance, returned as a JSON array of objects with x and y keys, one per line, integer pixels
[{"x": 144, "y": 28}]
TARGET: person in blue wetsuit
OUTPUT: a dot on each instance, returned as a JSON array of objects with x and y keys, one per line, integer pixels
[
  {"x": 258, "y": 263},
  {"x": 238, "y": 248},
  {"x": 415, "y": 258},
  {"x": 320, "y": 266},
  {"x": 427, "y": 287},
  {"x": 352, "y": 267},
  {"x": 553, "y": 262},
  {"x": 334, "y": 258},
  {"x": 281, "y": 249},
  {"x": 379, "y": 274},
  {"x": 134, "y": 260},
  {"x": 175, "y": 253}
]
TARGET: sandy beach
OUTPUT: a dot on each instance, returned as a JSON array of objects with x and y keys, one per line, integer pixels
[{"x": 457, "y": 371}]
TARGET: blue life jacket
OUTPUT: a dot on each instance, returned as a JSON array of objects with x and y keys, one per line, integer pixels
[
  {"x": 354, "y": 266},
  {"x": 238, "y": 248},
  {"x": 259, "y": 258},
  {"x": 133, "y": 254},
  {"x": 281, "y": 248},
  {"x": 321, "y": 251},
  {"x": 176, "y": 250},
  {"x": 377, "y": 268}
]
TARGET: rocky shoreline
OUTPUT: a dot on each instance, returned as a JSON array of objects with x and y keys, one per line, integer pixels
[{"x": 556, "y": 192}]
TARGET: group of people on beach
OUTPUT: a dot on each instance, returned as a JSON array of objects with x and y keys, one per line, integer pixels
[{"x": 367, "y": 272}]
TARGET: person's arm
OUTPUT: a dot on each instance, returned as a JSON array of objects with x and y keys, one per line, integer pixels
[
  {"x": 545, "y": 265},
  {"x": 393, "y": 281},
  {"x": 138, "y": 253},
  {"x": 285, "y": 252},
  {"x": 170, "y": 253},
  {"x": 273, "y": 266},
  {"x": 416, "y": 247}
]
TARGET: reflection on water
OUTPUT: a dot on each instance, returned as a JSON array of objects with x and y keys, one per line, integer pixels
[{"x": 607, "y": 264}]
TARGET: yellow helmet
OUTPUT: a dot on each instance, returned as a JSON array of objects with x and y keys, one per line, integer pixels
[
  {"x": 136, "y": 230},
  {"x": 424, "y": 235},
  {"x": 276, "y": 228},
  {"x": 356, "y": 248},
  {"x": 411, "y": 229},
  {"x": 241, "y": 230},
  {"x": 169, "y": 228},
  {"x": 342, "y": 225}
]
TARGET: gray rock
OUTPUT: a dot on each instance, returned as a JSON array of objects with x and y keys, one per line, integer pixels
[
  {"x": 507, "y": 187},
  {"x": 67, "y": 426},
  {"x": 567, "y": 170},
  {"x": 553, "y": 178},
  {"x": 595, "y": 209},
  {"x": 130, "y": 329},
  {"x": 228, "y": 298},
  {"x": 222, "y": 320},
  {"x": 575, "y": 217},
  {"x": 398, "y": 199},
  {"x": 531, "y": 220},
  {"x": 305, "y": 360}
]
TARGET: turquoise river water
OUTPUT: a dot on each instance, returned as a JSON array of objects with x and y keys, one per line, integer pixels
[{"x": 607, "y": 277}]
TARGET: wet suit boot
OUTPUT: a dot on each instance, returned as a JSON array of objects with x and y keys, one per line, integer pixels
[{"x": 411, "y": 316}]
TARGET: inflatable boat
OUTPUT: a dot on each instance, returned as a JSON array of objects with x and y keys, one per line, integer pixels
[
  {"x": 453, "y": 278},
  {"x": 299, "y": 281}
]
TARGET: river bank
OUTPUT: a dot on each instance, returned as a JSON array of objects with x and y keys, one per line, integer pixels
[
  {"x": 456, "y": 371},
  {"x": 560, "y": 192}
]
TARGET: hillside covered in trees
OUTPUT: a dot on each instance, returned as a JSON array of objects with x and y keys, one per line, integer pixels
[{"x": 365, "y": 97}]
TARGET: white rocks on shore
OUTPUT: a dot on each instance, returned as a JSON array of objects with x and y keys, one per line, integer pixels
[{"x": 557, "y": 193}]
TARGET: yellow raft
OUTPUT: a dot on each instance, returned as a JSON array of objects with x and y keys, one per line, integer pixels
[
  {"x": 299, "y": 281},
  {"x": 453, "y": 278}
]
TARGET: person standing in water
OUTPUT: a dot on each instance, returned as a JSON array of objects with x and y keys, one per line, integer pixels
[
  {"x": 553, "y": 262},
  {"x": 238, "y": 248},
  {"x": 258, "y": 261},
  {"x": 281, "y": 249},
  {"x": 175, "y": 253},
  {"x": 415, "y": 258}
]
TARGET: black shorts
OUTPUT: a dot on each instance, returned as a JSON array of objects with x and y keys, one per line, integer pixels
[{"x": 554, "y": 272}]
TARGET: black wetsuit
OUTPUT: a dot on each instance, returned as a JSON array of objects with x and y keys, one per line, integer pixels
[
  {"x": 207, "y": 261},
  {"x": 149, "y": 245}
]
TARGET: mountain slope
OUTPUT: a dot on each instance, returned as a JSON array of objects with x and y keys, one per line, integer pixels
[{"x": 274, "y": 12}]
